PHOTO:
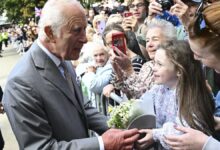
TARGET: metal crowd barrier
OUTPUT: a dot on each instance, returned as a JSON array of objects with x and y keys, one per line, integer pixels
[{"x": 105, "y": 102}]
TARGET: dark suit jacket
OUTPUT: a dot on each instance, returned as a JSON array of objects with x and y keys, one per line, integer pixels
[
  {"x": 42, "y": 110},
  {"x": 1, "y": 93}
]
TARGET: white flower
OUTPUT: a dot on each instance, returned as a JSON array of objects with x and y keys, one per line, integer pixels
[{"x": 122, "y": 115}]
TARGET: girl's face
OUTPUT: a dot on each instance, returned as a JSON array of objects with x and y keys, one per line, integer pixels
[{"x": 164, "y": 70}]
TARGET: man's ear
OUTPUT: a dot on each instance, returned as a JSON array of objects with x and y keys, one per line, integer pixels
[{"x": 49, "y": 33}]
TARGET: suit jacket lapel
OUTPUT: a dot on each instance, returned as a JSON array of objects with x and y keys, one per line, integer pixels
[
  {"x": 78, "y": 92},
  {"x": 52, "y": 73},
  {"x": 75, "y": 84}
]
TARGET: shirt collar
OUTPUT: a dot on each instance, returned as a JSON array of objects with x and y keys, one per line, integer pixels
[{"x": 54, "y": 58}]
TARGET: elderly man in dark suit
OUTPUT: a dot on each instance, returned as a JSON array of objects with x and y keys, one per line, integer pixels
[{"x": 42, "y": 99}]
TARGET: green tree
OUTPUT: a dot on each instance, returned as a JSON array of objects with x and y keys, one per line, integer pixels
[{"x": 20, "y": 10}]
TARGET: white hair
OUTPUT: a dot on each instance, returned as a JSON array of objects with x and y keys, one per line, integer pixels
[
  {"x": 169, "y": 31},
  {"x": 88, "y": 49},
  {"x": 114, "y": 18},
  {"x": 53, "y": 15}
]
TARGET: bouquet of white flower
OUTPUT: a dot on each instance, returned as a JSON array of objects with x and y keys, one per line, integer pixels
[
  {"x": 120, "y": 115},
  {"x": 127, "y": 112}
]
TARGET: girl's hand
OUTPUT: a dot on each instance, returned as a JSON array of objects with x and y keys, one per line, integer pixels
[
  {"x": 191, "y": 139},
  {"x": 147, "y": 140}
]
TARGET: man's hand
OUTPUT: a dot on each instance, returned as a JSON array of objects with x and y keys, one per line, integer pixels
[{"x": 115, "y": 139}]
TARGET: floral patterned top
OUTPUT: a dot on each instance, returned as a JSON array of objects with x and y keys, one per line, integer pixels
[
  {"x": 165, "y": 105},
  {"x": 137, "y": 83},
  {"x": 166, "y": 110}
]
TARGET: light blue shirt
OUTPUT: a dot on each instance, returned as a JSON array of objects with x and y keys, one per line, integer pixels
[{"x": 98, "y": 80}]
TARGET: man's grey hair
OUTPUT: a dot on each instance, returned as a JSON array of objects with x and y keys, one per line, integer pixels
[
  {"x": 53, "y": 15},
  {"x": 169, "y": 31}
]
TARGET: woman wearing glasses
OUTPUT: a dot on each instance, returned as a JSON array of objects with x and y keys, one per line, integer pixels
[{"x": 204, "y": 38}]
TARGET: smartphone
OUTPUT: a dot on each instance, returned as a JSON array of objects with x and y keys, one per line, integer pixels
[
  {"x": 118, "y": 40},
  {"x": 101, "y": 26},
  {"x": 127, "y": 14}
]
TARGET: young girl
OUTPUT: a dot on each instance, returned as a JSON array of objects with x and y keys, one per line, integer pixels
[
  {"x": 205, "y": 43},
  {"x": 180, "y": 96}
]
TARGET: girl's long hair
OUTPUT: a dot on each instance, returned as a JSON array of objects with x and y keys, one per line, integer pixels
[{"x": 196, "y": 105}]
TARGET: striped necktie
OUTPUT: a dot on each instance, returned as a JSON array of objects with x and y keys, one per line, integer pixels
[
  {"x": 67, "y": 76},
  {"x": 69, "y": 80}
]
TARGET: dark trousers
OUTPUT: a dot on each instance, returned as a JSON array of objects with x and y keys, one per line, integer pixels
[
  {"x": 2, "y": 143},
  {"x": 6, "y": 42},
  {"x": 0, "y": 46}
]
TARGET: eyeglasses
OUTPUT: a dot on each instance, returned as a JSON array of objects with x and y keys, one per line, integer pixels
[
  {"x": 200, "y": 23},
  {"x": 137, "y": 5}
]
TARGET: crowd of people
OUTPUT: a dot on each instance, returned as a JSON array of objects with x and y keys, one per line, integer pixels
[
  {"x": 19, "y": 37},
  {"x": 166, "y": 49}
]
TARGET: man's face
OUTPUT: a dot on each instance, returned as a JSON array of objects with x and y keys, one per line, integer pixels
[
  {"x": 100, "y": 56},
  {"x": 154, "y": 37},
  {"x": 139, "y": 9},
  {"x": 203, "y": 54},
  {"x": 72, "y": 36}
]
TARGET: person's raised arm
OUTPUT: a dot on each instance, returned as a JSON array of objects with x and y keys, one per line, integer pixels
[
  {"x": 153, "y": 9},
  {"x": 180, "y": 10},
  {"x": 120, "y": 62}
]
